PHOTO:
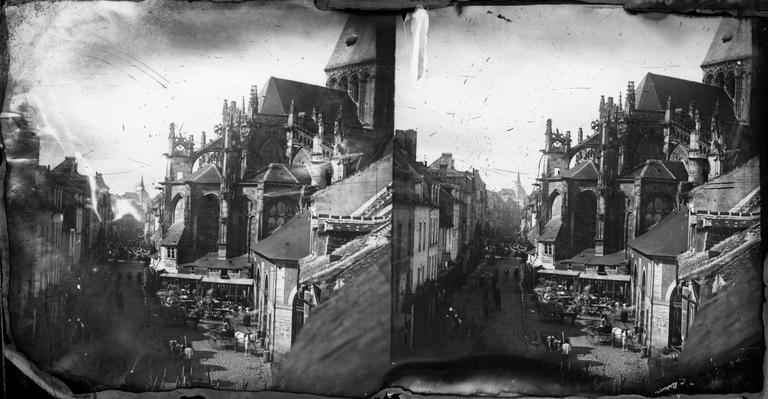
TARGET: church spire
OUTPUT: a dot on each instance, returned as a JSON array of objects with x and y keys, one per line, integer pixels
[{"x": 291, "y": 111}]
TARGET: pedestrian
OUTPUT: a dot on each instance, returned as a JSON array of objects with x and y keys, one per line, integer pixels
[
  {"x": 565, "y": 353},
  {"x": 189, "y": 353},
  {"x": 497, "y": 297},
  {"x": 486, "y": 303},
  {"x": 624, "y": 314},
  {"x": 247, "y": 317},
  {"x": 506, "y": 273}
]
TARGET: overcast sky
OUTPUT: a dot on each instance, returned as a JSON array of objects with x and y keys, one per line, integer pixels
[
  {"x": 496, "y": 74},
  {"x": 109, "y": 77}
]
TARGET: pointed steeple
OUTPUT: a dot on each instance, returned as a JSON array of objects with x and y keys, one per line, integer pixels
[
  {"x": 337, "y": 133},
  {"x": 291, "y": 116},
  {"x": 141, "y": 183},
  {"x": 253, "y": 102},
  {"x": 629, "y": 105}
]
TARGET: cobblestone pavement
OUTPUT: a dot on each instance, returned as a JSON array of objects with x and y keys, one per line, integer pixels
[
  {"x": 137, "y": 341},
  {"x": 515, "y": 330}
]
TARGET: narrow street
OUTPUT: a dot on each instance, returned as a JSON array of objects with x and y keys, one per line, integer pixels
[
  {"x": 137, "y": 340},
  {"x": 516, "y": 330}
]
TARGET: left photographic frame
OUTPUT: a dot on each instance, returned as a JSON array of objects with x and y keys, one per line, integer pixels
[{"x": 198, "y": 196}]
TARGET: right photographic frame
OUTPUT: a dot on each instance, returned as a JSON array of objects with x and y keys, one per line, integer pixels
[{"x": 577, "y": 204}]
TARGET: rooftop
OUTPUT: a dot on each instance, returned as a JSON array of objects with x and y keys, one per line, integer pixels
[
  {"x": 654, "y": 90},
  {"x": 173, "y": 236},
  {"x": 732, "y": 41},
  {"x": 667, "y": 238},
  {"x": 279, "y": 93},
  {"x": 289, "y": 242},
  {"x": 551, "y": 230},
  {"x": 211, "y": 261}
]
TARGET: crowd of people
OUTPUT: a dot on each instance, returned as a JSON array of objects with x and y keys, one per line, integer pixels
[{"x": 136, "y": 250}]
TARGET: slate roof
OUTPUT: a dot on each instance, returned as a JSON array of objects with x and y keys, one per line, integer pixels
[
  {"x": 348, "y": 195},
  {"x": 288, "y": 242},
  {"x": 667, "y": 238},
  {"x": 653, "y": 91},
  {"x": 357, "y": 43},
  {"x": 344, "y": 347},
  {"x": 211, "y": 261},
  {"x": 735, "y": 308},
  {"x": 585, "y": 170},
  {"x": 279, "y": 173},
  {"x": 722, "y": 254},
  {"x": 206, "y": 174},
  {"x": 661, "y": 170},
  {"x": 278, "y": 94},
  {"x": 173, "y": 235},
  {"x": 724, "y": 192},
  {"x": 732, "y": 41},
  {"x": 347, "y": 257},
  {"x": 551, "y": 230}
]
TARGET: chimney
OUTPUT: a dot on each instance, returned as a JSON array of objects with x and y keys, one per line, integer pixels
[{"x": 407, "y": 139}]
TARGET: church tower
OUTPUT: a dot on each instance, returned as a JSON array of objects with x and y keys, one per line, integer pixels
[
  {"x": 179, "y": 150},
  {"x": 363, "y": 65},
  {"x": 731, "y": 64},
  {"x": 556, "y": 147}
]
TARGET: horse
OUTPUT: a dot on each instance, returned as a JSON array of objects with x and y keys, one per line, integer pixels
[
  {"x": 175, "y": 348},
  {"x": 622, "y": 335},
  {"x": 244, "y": 339}
]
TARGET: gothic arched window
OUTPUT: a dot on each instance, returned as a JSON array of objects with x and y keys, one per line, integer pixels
[
  {"x": 363, "y": 102},
  {"x": 730, "y": 84},
  {"x": 354, "y": 87},
  {"x": 343, "y": 84},
  {"x": 556, "y": 205},
  {"x": 720, "y": 80},
  {"x": 279, "y": 212},
  {"x": 332, "y": 83},
  {"x": 708, "y": 79},
  {"x": 654, "y": 209}
]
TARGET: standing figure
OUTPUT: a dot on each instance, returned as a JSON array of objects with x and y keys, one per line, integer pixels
[
  {"x": 497, "y": 297},
  {"x": 189, "y": 353},
  {"x": 565, "y": 353}
]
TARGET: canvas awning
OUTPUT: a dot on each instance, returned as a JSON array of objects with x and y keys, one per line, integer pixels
[
  {"x": 569, "y": 273},
  {"x": 605, "y": 277},
  {"x": 184, "y": 276},
  {"x": 234, "y": 281},
  {"x": 588, "y": 257}
]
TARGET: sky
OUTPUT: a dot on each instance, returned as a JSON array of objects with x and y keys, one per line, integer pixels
[
  {"x": 107, "y": 78},
  {"x": 496, "y": 74}
]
